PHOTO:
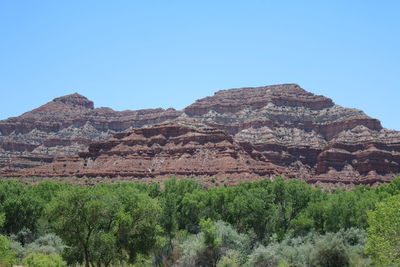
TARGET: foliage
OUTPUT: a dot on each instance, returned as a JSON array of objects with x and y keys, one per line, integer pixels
[
  {"x": 237, "y": 245},
  {"x": 232, "y": 258},
  {"x": 181, "y": 223},
  {"x": 2, "y": 219},
  {"x": 212, "y": 243},
  {"x": 21, "y": 207},
  {"x": 173, "y": 202},
  {"x": 190, "y": 248},
  {"x": 104, "y": 224},
  {"x": 7, "y": 256},
  {"x": 43, "y": 260},
  {"x": 47, "y": 244},
  {"x": 330, "y": 251},
  {"x": 384, "y": 233},
  {"x": 217, "y": 242},
  {"x": 264, "y": 257}
]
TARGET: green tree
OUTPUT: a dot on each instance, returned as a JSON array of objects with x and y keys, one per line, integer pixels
[
  {"x": 290, "y": 198},
  {"x": 211, "y": 253},
  {"x": 169, "y": 203},
  {"x": 46, "y": 191},
  {"x": 252, "y": 210},
  {"x": 177, "y": 213},
  {"x": 105, "y": 224},
  {"x": 21, "y": 207},
  {"x": 79, "y": 215},
  {"x": 384, "y": 233},
  {"x": 138, "y": 225}
]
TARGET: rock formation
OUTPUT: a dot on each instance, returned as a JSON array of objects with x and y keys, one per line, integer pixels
[
  {"x": 63, "y": 127},
  {"x": 308, "y": 134},
  {"x": 161, "y": 151},
  {"x": 252, "y": 132}
]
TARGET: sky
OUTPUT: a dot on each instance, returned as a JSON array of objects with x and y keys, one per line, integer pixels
[{"x": 149, "y": 54}]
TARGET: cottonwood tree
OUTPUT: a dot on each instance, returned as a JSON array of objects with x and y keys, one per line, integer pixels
[
  {"x": 384, "y": 233},
  {"x": 106, "y": 226}
]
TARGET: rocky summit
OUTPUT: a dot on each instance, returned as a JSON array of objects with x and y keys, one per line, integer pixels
[
  {"x": 237, "y": 134},
  {"x": 64, "y": 127}
]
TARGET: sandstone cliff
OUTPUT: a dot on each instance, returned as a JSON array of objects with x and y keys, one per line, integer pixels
[
  {"x": 63, "y": 127},
  {"x": 308, "y": 134},
  {"x": 253, "y": 132},
  {"x": 161, "y": 151}
]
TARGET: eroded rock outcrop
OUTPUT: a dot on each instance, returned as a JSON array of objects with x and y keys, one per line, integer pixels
[
  {"x": 64, "y": 127},
  {"x": 162, "y": 151},
  {"x": 308, "y": 134},
  {"x": 282, "y": 128}
]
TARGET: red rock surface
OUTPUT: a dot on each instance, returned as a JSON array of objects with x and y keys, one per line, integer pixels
[
  {"x": 309, "y": 135},
  {"x": 275, "y": 129},
  {"x": 161, "y": 151},
  {"x": 63, "y": 127}
]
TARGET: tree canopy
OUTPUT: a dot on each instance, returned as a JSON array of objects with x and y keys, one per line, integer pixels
[
  {"x": 182, "y": 223},
  {"x": 384, "y": 232}
]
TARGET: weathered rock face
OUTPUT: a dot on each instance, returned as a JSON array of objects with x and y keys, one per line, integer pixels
[
  {"x": 161, "y": 151},
  {"x": 308, "y": 134},
  {"x": 235, "y": 100},
  {"x": 281, "y": 128},
  {"x": 63, "y": 127}
]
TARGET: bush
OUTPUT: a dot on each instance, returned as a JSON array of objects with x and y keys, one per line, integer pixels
[
  {"x": 231, "y": 258},
  {"x": 47, "y": 244},
  {"x": 330, "y": 251},
  {"x": 42, "y": 260},
  {"x": 218, "y": 242},
  {"x": 7, "y": 256},
  {"x": 190, "y": 248},
  {"x": 231, "y": 240},
  {"x": 264, "y": 257}
]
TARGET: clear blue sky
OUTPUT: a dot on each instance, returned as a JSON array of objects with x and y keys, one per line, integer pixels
[{"x": 145, "y": 54}]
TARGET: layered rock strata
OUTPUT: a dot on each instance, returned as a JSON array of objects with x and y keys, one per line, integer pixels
[
  {"x": 64, "y": 127},
  {"x": 309, "y": 135},
  {"x": 162, "y": 150},
  {"x": 291, "y": 131}
]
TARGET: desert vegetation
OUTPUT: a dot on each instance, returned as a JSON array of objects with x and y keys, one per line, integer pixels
[{"x": 181, "y": 223}]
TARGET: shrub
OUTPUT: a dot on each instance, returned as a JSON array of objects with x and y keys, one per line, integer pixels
[
  {"x": 264, "y": 257},
  {"x": 47, "y": 244},
  {"x": 232, "y": 241},
  {"x": 218, "y": 240},
  {"x": 231, "y": 258},
  {"x": 191, "y": 247},
  {"x": 330, "y": 251},
  {"x": 42, "y": 260},
  {"x": 7, "y": 256}
]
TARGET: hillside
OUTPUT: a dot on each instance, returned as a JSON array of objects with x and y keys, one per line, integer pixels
[{"x": 245, "y": 133}]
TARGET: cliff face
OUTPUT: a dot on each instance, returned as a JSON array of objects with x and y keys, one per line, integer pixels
[
  {"x": 161, "y": 151},
  {"x": 264, "y": 131},
  {"x": 308, "y": 134},
  {"x": 63, "y": 127}
]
